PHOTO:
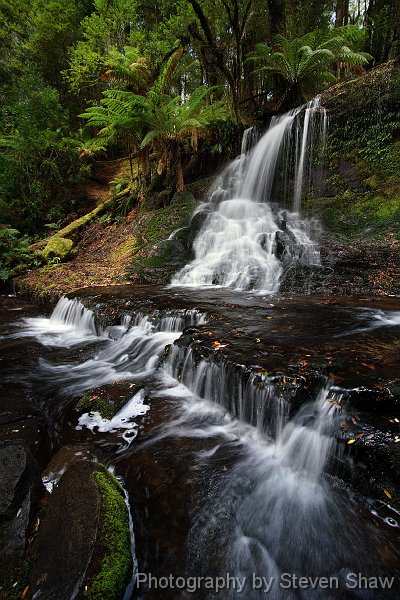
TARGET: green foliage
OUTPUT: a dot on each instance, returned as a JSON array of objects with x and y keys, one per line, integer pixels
[
  {"x": 364, "y": 134},
  {"x": 156, "y": 118},
  {"x": 305, "y": 64},
  {"x": 365, "y": 120},
  {"x": 38, "y": 159},
  {"x": 14, "y": 250}
]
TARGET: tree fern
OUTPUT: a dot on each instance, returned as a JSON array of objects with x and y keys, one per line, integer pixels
[{"x": 306, "y": 64}]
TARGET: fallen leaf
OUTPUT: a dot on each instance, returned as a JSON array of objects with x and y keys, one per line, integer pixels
[
  {"x": 351, "y": 441},
  {"x": 25, "y": 592},
  {"x": 42, "y": 578},
  {"x": 218, "y": 345},
  {"x": 387, "y": 493}
]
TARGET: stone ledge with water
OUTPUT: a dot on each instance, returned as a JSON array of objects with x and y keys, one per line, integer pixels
[
  {"x": 258, "y": 433},
  {"x": 245, "y": 414}
]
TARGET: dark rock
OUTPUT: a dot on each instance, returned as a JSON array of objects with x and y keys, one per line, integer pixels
[
  {"x": 21, "y": 422},
  {"x": 348, "y": 172},
  {"x": 66, "y": 538},
  {"x": 107, "y": 399},
  {"x": 21, "y": 488},
  {"x": 321, "y": 183},
  {"x": 62, "y": 460}
]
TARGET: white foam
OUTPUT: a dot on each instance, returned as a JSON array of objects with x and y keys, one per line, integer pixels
[{"x": 122, "y": 422}]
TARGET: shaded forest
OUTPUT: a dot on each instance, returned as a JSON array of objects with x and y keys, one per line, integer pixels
[{"x": 166, "y": 85}]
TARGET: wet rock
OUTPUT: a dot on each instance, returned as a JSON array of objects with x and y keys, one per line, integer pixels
[
  {"x": 107, "y": 400},
  {"x": 67, "y": 535},
  {"x": 163, "y": 260},
  {"x": 62, "y": 460},
  {"x": 83, "y": 544},
  {"x": 21, "y": 489}
]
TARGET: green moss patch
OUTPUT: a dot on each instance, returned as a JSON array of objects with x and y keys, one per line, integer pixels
[
  {"x": 58, "y": 247},
  {"x": 363, "y": 156},
  {"x": 113, "y": 560},
  {"x": 157, "y": 258},
  {"x": 107, "y": 400},
  {"x": 355, "y": 215}
]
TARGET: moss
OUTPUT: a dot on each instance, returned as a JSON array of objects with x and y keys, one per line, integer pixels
[
  {"x": 127, "y": 248},
  {"x": 156, "y": 257},
  {"x": 163, "y": 221},
  {"x": 90, "y": 402},
  {"x": 108, "y": 399},
  {"x": 58, "y": 246},
  {"x": 82, "y": 221},
  {"x": 363, "y": 155},
  {"x": 372, "y": 182},
  {"x": 15, "y": 579},
  {"x": 114, "y": 559},
  {"x": 354, "y": 215}
]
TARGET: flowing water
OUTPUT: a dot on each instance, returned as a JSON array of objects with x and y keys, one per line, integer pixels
[
  {"x": 228, "y": 475},
  {"x": 251, "y": 235},
  {"x": 233, "y": 444}
]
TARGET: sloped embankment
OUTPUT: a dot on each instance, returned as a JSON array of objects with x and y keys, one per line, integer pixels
[
  {"x": 111, "y": 249},
  {"x": 356, "y": 185}
]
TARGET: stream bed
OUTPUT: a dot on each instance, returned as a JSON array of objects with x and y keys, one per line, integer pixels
[{"x": 258, "y": 439}]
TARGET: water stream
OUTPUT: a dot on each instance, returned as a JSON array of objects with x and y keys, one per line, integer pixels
[
  {"x": 235, "y": 458},
  {"x": 242, "y": 474},
  {"x": 250, "y": 235}
]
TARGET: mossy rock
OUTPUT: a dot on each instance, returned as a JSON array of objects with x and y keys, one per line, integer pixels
[
  {"x": 111, "y": 565},
  {"x": 58, "y": 247},
  {"x": 156, "y": 257},
  {"x": 83, "y": 545},
  {"x": 163, "y": 260},
  {"x": 107, "y": 400}
]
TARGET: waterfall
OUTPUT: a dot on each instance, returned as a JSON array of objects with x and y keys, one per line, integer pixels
[
  {"x": 314, "y": 129},
  {"x": 249, "y": 236},
  {"x": 70, "y": 324}
]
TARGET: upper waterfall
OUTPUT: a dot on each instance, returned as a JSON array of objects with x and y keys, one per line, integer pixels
[{"x": 252, "y": 230}]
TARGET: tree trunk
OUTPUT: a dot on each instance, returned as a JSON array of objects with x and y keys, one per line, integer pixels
[
  {"x": 130, "y": 159},
  {"x": 180, "y": 184},
  {"x": 342, "y": 13},
  {"x": 277, "y": 11}
]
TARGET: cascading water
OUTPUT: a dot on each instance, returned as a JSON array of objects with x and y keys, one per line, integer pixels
[
  {"x": 264, "y": 506},
  {"x": 246, "y": 242}
]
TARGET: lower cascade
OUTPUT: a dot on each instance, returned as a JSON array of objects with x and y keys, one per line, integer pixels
[
  {"x": 252, "y": 231},
  {"x": 264, "y": 510}
]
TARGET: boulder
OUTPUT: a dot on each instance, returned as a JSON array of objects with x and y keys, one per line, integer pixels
[
  {"x": 21, "y": 489},
  {"x": 58, "y": 247},
  {"x": 83, "y": 543}
]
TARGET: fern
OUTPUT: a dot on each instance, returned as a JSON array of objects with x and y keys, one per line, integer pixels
[{"x": 307, "y": 63}]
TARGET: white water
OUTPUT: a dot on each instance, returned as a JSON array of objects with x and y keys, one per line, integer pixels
[
  {"x": 246, "y": 242},
  {"x": 70, "y": 324},
  {"x": 123, "y": 420},
  {"x": 268, "y": 512}
]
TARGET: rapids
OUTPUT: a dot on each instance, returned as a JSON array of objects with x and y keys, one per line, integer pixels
[
  {"x": 257, "y": 441},
  {"x": 228, "y": 468}
]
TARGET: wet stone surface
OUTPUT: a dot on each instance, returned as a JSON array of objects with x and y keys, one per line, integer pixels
[{"x": 194, "y": 468}]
